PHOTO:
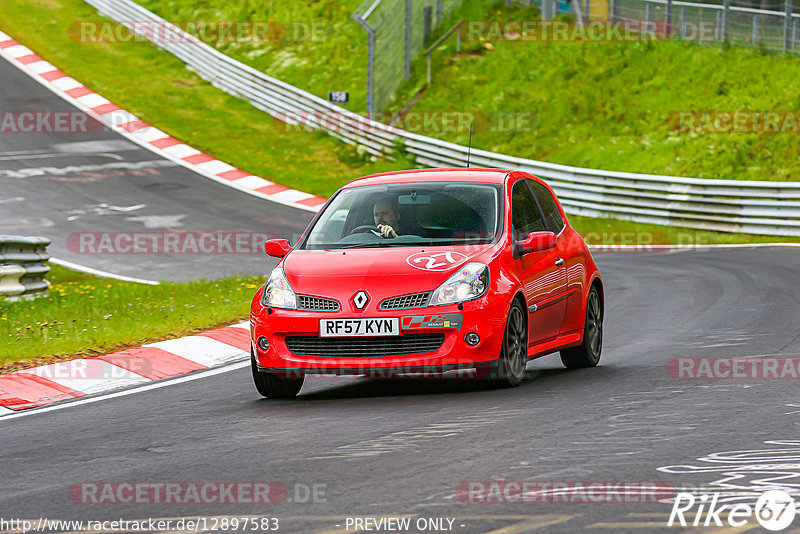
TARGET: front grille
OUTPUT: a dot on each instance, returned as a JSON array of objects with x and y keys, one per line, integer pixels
[
  {"x": 417, "y": 300},
  {"x": 364, "y": 347},
  {"x": 306, "y": 303}
]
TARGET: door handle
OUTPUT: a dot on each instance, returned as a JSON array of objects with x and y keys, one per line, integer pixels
[{"x": 560, "y": 261}]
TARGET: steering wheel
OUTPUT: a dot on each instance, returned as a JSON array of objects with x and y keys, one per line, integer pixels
[{"x": 364, "y": 229}]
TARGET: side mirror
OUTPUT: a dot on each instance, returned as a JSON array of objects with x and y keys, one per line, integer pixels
[
  {"x": 535, "y": 242},
  {"x": 277, "y": 248}
]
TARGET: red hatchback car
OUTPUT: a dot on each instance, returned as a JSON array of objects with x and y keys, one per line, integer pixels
[{"x": 428, "y": 270}]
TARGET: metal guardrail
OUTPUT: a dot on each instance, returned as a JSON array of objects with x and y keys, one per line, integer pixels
[
  {"x": 757, "y": 207},
  {"x": 23, "y": 264}
]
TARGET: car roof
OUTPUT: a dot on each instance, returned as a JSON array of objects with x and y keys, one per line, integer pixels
[{"x": 493, "y": 176}]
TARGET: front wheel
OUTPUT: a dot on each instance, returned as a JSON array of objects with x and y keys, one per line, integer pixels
[
  {"x": 509, "y": 369},
  {"x": 272, "y": 386},
  {"x": 587, "y": 354}
]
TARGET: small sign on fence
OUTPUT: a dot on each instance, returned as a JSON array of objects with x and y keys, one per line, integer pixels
[{"x": 338, "y": 97}]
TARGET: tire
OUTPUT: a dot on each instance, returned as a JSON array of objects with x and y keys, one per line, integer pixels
[
  {"x": 587, "y": 354},
  {"x": 272, "y": 386},
  {"x": 509, "y": 369}
]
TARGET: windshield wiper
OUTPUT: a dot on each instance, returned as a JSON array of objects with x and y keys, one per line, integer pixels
[{"x": 380, "y": 245}]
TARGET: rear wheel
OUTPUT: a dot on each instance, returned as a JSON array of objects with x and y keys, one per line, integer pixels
[
  {"x": 273, "y": 386},
  {"x": 509, "y": 369},
  {"x": 587, "y": 354}
]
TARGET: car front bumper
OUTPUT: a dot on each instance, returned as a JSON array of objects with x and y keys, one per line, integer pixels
[{"x": 295, "y": 346}]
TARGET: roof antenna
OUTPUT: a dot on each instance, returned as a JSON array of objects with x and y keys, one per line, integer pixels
[{"x": 469, "y": 147}]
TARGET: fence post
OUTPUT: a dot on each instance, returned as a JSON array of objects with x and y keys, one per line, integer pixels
[
  {"x": 407, "y": 70},
  {"x": 683, "y": 23},
  {"x": 726, "y": 14},
  {"x": 755, "y": 29},
  {"x": 669, "y": 18},
  {"x": 648, "y": 12},
  {"x": 787, "y": 22},
  {"x": 718, "y": 30},
  {"x": 427, "y": 23},
  {"x": 794, "y": 33},
  {"x": 438, "y": 11},
  {"x": 370, "y": 61}
]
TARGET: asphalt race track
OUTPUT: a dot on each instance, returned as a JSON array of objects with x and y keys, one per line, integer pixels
[
  {"x": 71, "y": 185},
  {"x": 402, "y": 447}
]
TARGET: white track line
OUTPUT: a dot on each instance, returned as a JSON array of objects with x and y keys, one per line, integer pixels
[{"x": 98, "y": 272}]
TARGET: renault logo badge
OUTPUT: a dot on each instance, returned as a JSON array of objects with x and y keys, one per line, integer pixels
[{"x": 360, "y": 299}]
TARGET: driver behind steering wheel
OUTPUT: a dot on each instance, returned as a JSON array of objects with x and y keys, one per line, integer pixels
[{"x": 386, "y": 212}]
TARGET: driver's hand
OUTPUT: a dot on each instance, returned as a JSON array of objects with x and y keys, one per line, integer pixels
[{"x": 387, "y": 231}]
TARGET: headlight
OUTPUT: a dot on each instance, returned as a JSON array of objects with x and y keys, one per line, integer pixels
[
  {"x": 469, "y": 282},
  {"x": 278, "y": 293}
]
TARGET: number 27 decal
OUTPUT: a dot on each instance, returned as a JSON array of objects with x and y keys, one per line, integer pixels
[{"x": 437, "y": 261}]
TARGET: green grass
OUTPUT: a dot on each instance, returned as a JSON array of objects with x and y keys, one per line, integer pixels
[
  {"x": 614, "y": 106},
  {"x": 601, "y": 105},
  {"x": 84, "y": 314},
  {"x": 317, "y": 45}
]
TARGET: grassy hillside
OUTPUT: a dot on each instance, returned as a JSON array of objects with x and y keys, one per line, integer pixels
[
  {"x": 602, "y": 105},
  {"x": 616, "y": 106}
]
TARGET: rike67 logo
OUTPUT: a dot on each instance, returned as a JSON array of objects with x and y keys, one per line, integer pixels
[{"x": 774, "y": 510}]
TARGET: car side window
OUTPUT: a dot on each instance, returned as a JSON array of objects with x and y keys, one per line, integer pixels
[
  {"x": 525, "y": 215},
  {"x": 552, "y": 217}
]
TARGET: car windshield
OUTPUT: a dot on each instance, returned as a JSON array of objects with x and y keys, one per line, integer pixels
[{"x": 398, "y": 215}]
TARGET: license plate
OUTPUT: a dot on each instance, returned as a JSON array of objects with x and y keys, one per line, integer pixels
[{"x": 359, "y": 327}]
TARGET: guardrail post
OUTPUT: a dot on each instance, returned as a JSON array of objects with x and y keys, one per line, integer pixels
[
  {"x": 548, "y": 9},
  {"x": 787, "y": 22},
  {"x": 726, "y": 9},
  {"x": 755, "y": 29},
  {"x": 23, "y": 265},
  {"x": 683, "y": 23}
]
